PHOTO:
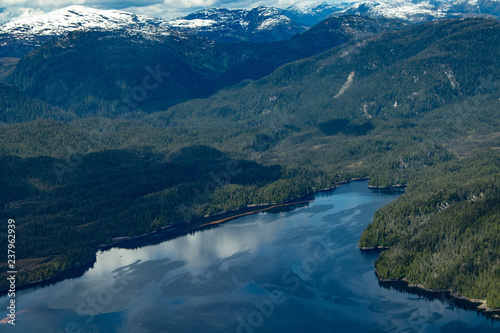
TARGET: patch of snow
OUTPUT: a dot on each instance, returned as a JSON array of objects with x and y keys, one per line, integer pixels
[
  {"x": 306, "y": 7},
  {"x": 195, "y": 23},
  {"x": 398, "y": 9},
  {"x": 273, "y": 22},
  {"x": 311, "y": 7}
]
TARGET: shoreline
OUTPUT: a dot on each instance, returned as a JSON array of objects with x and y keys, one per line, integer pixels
[
  {"x": 161, "y": 235},
  {"x": 479, "y": 305},
  {"x": 227, "y": 219},
  {"x": 372, "y": 248},
  {"x": 173, "y": 231},
  {"x": 397, "y": 186}
]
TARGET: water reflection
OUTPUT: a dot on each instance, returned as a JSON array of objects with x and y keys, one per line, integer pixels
[{"x": 295, "y": 271}]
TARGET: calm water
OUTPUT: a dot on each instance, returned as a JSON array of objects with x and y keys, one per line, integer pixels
[{"x": 296, "y": 271}]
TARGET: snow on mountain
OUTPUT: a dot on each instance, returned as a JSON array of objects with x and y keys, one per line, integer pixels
[
  {"x": 192, "y": 24},
  {"x": 309, "y": 13},
  {"x": 309, "y": 7},
  {"x": 426, "y": 10},
  {"x": 258, "y": 24},
  {"x": 398, "y": 9},
  {"x": 74, "y": 18},
  {"x": 261, "y": 24},
  {"x": 215, "y": 18},
  {"x": 23, "y": 35}
]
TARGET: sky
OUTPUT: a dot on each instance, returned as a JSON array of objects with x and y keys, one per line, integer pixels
[{"x": 10, "y": 9}]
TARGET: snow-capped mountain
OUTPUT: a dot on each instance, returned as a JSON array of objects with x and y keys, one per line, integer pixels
[
  {"x": 311, "y": 13},
  {"x": 398, "y": 9},
  {"x": 20, "y": 36},
  {"x": 261, "y": 24},
  {"x": 77, "y": 17},
  {"x": 420, "y": 11}
]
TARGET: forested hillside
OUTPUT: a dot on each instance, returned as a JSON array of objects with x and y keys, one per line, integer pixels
[
  {"x": 394, "y": 75},
  {"x": 16, "y": 107},
  {"x": 444, "y": 233}
]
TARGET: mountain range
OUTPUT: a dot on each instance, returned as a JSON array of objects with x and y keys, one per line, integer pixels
[
  {"x": 260, "y": 24},
  {"x": 110, "y": 66}
]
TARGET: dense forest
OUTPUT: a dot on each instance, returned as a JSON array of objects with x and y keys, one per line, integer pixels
[
  {"x": 444, "y": 233},
  {"x": 403, "y": 108}
]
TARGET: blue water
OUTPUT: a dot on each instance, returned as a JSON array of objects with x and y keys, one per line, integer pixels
[{"x": 295, "y": 271}]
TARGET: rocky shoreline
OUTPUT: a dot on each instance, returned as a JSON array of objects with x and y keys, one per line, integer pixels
[
  {"x": 397, "y": 186},
  {"x": 370, "y": 248},
  {"x": 479, "y": 305}
]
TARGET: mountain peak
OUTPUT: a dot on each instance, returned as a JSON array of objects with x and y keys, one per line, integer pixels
[
  {"x": 310, "y": 13},
  {"x": 408, "y": 10},
  {"x": 309, "y": 6},
  {"x": 259, "y": 24},
  {"x": 21, "y": 36}
]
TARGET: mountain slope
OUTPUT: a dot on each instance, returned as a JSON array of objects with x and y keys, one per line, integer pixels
[
  {"x": 16, "y": 107},
  {"x": 114, "y": 68},
  {"x": 431, "y": 68},
  {"x": 76, "y": 17},
  {"x": 445, "y": 233},
  {"x": 260, "y": 24},
  {"x": 7, "y": 65},
  {"x": 482, "y": 7}
]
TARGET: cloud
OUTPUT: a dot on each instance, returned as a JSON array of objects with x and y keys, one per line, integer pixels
[
  {"x": 39, "y": 3},
  {"x": 7, "y": 14},
  {"x": 13, "y": 9}
]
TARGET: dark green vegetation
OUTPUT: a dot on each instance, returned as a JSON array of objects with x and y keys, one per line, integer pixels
[
  {"x": 445, "y": 232},
  {"x": 13, "y": 48},
  {"x": 16, "y": 107},
  {"x": 395, "y": 76},
  {"x": 418, "y": 107},
  {"x": 489, "y": 7}
]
